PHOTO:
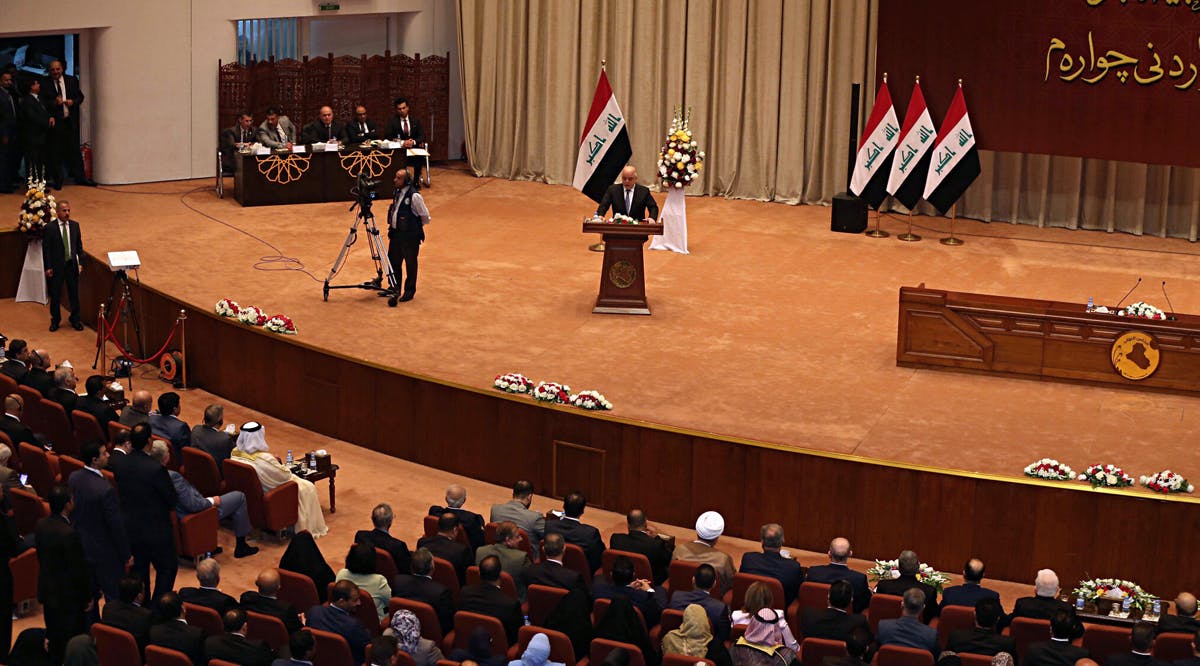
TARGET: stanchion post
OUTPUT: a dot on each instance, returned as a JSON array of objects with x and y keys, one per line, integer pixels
[
  {"x": 951, "y": 240},
  {"x": 183, "y": 346},
  {"x": 102, "y": 340}
]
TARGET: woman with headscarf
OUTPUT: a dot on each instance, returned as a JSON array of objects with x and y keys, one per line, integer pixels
[
  {"x": 767, "y": 642},
  {"x": 694, "y": 638},
  {"x": 304, "y": 557},
  {"x": 360, "y": 570},
  {"x": 621, "y": 623},
  {"x": 537, "y": 653},
  {"x": 252, "y": 449},
  {"x": 406, "y": 628}
]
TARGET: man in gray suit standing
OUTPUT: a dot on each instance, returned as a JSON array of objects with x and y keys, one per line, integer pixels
[
  {"x": 517, "y": 510},
  {"x": 277, "y": 131}
]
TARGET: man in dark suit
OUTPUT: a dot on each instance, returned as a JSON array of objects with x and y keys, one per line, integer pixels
[
  {"x": 575, "y": 532},
  {"x": 147, "y": 499},
  {"x": 62, "y": 97},
  {"x": 405, "y": 128},
  {"x": 1184, "y": 620},
  {"x": 128, "y": 613},
  {"x": 173, "y": 632},
  {"x": 380, "y": 537},
  {"x": 324, "y": 129},
  {"x": 420, "y": 586},
  {"x": 1057, "y": 651},
  {"x": 64, "y": 581},
  {"x": 303, "y": 649},
  {"x": 983, "y": 638},
  {"x": 1141, "y": 643},
  {"x": 836, "y": 622},
  {"x": 234, "y": 139},
  {"x": 208, "y": 574},
  {"x": 138, "y": 410},
  {"x": 486, "y": 598},
  {"x": 363, "y": 129},
  {"x": 1044, "y": 604},
  {"x": 550, "y": 571},
  {"x": 230, "y": 505},
  {"x": 210, "y": 438},
  {"x": 907, "y": 630},
  {"x": 644, "y": 539},
  {"x": 39, "y": 377},
  {"x": 10, "y": 423},
  {"x": 97, "y": 518},
  {"x": 909, "y": 565},
  {"x": 166, "y": 423},
  {"x": 629, "y": 198},
  {"x": 338, "y": 617},
  {"x": 469, "y": 521},
  {"x": 771, "y": 563},
  {"x": 16, "y": 361},
  {"x": 267, "y": 601},
  {"x": 93, "y": 402},
  {"x": 716, "y": 610},
  {"x": 972, "y": 589},
  {"x": 625, "y": 583},
  {"x": 10, "y": 148},
  {"x": 856, "y": 648},
  {"x": 233, "y": 646},
  {"x": 445, "y": 544},
  {"x": 64, "y": 388},
  {"x": 35, "y": 124}
]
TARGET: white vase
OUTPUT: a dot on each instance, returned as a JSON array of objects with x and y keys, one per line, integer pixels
[
  {"x": 674, "y": 219},
  {"x": 33, "y": 275}
]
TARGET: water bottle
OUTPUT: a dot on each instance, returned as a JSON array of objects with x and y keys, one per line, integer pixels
[
  {"x": 1157, "y": 608},
  {"x": 1126, "y": 606},
  {"x": 312, "y": 461},
  {"x": 1091, "y": 304},
  {"x": 289, "y": 458},
  {"x": 1079, "y": 603}
]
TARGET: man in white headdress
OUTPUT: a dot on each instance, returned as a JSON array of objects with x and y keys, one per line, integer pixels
[
  {"x": 709, "y": 527},
  {"x": 252, "y": 449}
]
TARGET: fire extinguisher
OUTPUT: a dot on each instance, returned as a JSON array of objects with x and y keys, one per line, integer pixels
[{"x": 86, "y": 151}]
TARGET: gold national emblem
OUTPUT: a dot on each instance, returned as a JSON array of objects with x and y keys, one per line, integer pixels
[
  {"x": 372, "y": 163},
  {"x": 622, "y": 274},
  {"x": 1135, "y": 355},
  {"x": 283, "y": 170}
]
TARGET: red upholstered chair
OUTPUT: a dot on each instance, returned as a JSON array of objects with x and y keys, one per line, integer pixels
[
  {"x": 157, "y": 655},
  {"x": 680, "y": 576},
  {"x": 641, "y": 563},
  {"x": 600, "y": 607},
  {"x": 8, "y": 385},
  {"x": 684, "y": 660},
  {"x": 298, "y": 590},
  {"x": 430, "y": 628},
  {"x": 196, "y": 534},
  {"x": 542, "y": 599},
  {"x": 736, "y": 597},
  {"x": 444, "y": 573},
  {"x": 561, "y": 650},
  {"x": 266, "y": 628},
  {"x": 971, "y": 659},
  {"x": 883, "y": 607},
  {"x": 1025, "y": 632},
  {"x": 575, "y": 558},
  {"x": 67, "y": 466},
  {"x": 115, "y": 647},
  {"x": 115, "y": 427},
  {"x": 365, "y": 613},
  {"x": 489, "y": 536},
  {"x": 669, "y": 621},
  {"x": 814, "y": 595},
  {"x": 39, "y": 465},
  {"x": 275, "y": 511},
  {"x": 430, "y": 526},
  {"x": 333, "y": 650},
  {"x": 507, "y": 584},
  {"x": 465, "y": 622},
  {"x": 896, "y": 655},
  {"x": 1168, "y": 647},
  {"x": 24, "y": 568},
  {"x": 58, "y": 428},
  {"x": 31, "y": 408},
  {"x": 952, "y": 619},
  {"x": 220, "y": 662},
  {"x": 28, "y": 509},
  {"x": 447, "y": 662},
  {"x": 1104, "y": 641},
  {"x": 384, "y": 564},
  {"x": 814, "y": 650},
  {"x": 87, "y": 428},
  {"x": 602, "y": 646},
  {"x": 204, "y": 617},
  {"x": 201, "y": 471}
]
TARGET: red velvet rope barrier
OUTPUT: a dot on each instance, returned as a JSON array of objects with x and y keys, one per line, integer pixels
[{"x": 106, "y": 334}]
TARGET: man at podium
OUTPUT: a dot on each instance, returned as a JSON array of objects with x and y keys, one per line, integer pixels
[{"x": 629, "y": 198}]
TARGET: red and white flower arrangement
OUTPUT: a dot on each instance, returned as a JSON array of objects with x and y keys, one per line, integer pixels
[
  {"x": 1107, "y": 476},
  {"x": 37, "y": 211},
  {"x": 1142, "y": 310},
  {"x": 513, "y": 382},
  {"x": 680, "y": 159},
  {"x": 280, "y": 323},
  {"x": 590, "y": 400},
  {"x": 1167, "y": 482},
  {"x": 552, "y": 392},
  {"x": 227, "y": 307},
  {"x": 889, "y": 569},
  {"x": 1050, "y": 469},
  {"x": 252, "y": 316},
  {"x": 1116, "y": 589}
]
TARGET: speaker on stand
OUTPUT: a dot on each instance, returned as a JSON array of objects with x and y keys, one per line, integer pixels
[{"x": 850, "y": 212}]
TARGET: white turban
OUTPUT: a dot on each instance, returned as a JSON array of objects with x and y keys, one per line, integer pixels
[
  {"x": 710, "y": 525},
  {"x": 252, "y": 439}
]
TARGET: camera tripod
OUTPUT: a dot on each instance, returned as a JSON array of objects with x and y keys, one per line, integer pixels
[
  {"x": 128, "y": 313},
  {"x": 383, "y": 267}
]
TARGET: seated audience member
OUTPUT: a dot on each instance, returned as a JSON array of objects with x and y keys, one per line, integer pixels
[
  {"x": 513, "y": 559},
  {"x": 381, "y": 537},
  {"x": 234, "y": 139},
  {"x": 856, "y": 645},
  {"x": 772, "y": 563},
  {"x": 325, "y": 129},
  {"x": 302, "y": 647},
  {"x": 837, "y": 622},
  {"x": 1183, "y": 621},
  {"x": 209, "y": 438},
  {"x": 64, "y": 388},
  {"x": 643, "y": 539},
  {"x": 11, "y": 424},
  {"x": 537, "y": 653},
  {"x": 420, "y": 586},
  {"x": 972, "y": 589},
  {"x": 360, "y": 570},
  {"x": 1044, "y": 604},
  {"x": 233, "y": 646},
  {"x": 445, "y": 544},
  {"x": 486, "y": 598},
  {"x": 551, "y": 572},
  {"x": 277, "y": 131},
  {"x": 16, "y": 360},
  {"x": 266, "y": 600},
  {"x": 575, "y": 532},
  {"x": 909, "y": 565},
  {"x": 469, "y": 521},
  {"x": 94, "y": 403},
  {"x": 128, "y": 613},
  {"x": 907, "y": 630},
  {"x": 621, "y": 623},
  {"x": 1193, "y": 660},
  {"x": 9, "y": 478},
  {"x": 252, "y": 449},
  {"x": 173, "y": 632},
  {"x": 302, "y": 556},
  {"x": 625, "y": 583},
  {"x": 138, "y": 410},
  {"x": 166, "y": 423},
  {"x": 517, "y": 510},
  {"x": 1141, "y": 643},
  {"x": 982, "y": 638},
  {"x": 479, "y": 650},
  {"x": 38, "y": 377},
  {"x": 405, "y": 628},
  {"x": 694, "y": 638},
  {"x": 362, "y": 129},
  {"x": 208, "y": 574},
  {"x": 767, "y": 640},
  {"x": 709, "y": 527},
  {"x": 758, "y": 596},
  {"x": 189, "y": 500},
  {"x": 338, "y": 617},
  {"x": 718, "y": 613},
  {"x": 1058, "y": 651},
  {"x": 381, "y": 652}
]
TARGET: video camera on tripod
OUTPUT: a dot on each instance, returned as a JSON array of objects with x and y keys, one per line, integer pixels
[
  {"x": 385, "y": 278},
  {"x": 364, "y": 192}
]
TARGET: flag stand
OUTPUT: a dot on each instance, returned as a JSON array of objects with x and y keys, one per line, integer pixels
[
  {"x": 951, "y": 240},
  {"x": 909, "y": 236},
  {"x": 877, "y": 232}
]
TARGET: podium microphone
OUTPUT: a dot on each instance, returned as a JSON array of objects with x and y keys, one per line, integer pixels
[
  {"x": 1135, "y": 286},
  {"x": 1170, "y": 315}
]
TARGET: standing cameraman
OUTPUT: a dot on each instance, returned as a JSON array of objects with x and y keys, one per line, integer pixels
[{"x": 407, "y": 217}]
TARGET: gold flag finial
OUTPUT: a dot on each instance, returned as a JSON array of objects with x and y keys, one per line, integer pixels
[
  {"x": 960, "y": 83},
  {"x": 885, "y": 77}
]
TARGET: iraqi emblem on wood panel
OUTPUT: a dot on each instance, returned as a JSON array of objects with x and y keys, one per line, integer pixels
[
  {"x": 622, "y": 274},
  {"x": 1135, "y": 355}
]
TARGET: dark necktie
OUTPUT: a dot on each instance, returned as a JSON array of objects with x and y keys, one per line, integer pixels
[
  {"x": 63, "y": 93},
  {"x": 328, "y": 132},
  {"x": 628, "y": 201},
  {"x": 405, "y": 126}
]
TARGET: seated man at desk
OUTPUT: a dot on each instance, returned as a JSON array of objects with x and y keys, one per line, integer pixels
[
  {"x": 362, "y": 129},
  {"x": 325, "y": 129},
  {"x": 234, "y": 139},
  {"x": 277, "y": 131},
  {"x": 408, "y": 131}
]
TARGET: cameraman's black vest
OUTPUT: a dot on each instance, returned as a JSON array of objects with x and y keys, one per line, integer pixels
[{"x": 408, "y": 223}]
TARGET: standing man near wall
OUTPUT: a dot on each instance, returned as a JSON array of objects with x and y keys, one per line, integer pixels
[
  {"x": 62, "y": 96},
  {"x": 62, "y": 255}
]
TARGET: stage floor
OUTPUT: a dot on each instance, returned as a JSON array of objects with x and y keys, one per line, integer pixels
[{"x": 773, "y": 329}]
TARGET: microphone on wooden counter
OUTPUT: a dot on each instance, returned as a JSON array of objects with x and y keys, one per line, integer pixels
[
  {"x": 1135, "y": 286},
  {"x": 1171, "y": 314}
]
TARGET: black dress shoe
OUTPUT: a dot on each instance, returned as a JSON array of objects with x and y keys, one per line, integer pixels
[
  {"x": 406, "y": 298},
  {"x": 86, "y": 183},
  {"x": 53, "y": 326},
  {"x": 77, "y": 326}
]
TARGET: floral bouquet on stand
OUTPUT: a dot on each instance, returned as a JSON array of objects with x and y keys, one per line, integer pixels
[
  {"x": 1107, "y": 476},
  {"x": 513, "y": 382},
  {"x": 252, "y": 316},
  {"x": 1114, "y": 589},
  {"x": 680, "y": 159},
  {"x": 280, "y": 323},
  {"x": 552, "y": 392},
  {"x": 1167, "y": 482},
  {"x": 889, "y": 569},
  {"x": 37, "y": 211},
  {"x": 1050, "y": 469},
  {"x": 1141, "y": 310},
  {"x": 592, "y": 400},
  {"x": 227, "y": 307}
]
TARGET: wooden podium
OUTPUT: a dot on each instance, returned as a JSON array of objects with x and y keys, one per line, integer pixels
[{"x": 622, "y": 278}]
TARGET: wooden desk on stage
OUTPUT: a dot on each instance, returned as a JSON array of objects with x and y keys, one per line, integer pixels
[
  {"x": 1027, "y": 337},
  {"x": 622, "y": 277},
  {"x": 264, "y": 180}
]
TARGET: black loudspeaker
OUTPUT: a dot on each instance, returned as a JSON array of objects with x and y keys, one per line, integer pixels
[{"x": 849, "y": 214}]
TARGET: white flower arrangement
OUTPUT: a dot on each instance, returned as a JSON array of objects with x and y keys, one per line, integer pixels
[
  {"x": 552, "y": 392},
  {"x": 513, "y": 382},
  {"x": 593, "y": 400},
  {"x": 1050, "y": 469},
  {"x": 889, "y": 569},
  {"x": 38, "y": 211},
  {"x": 279, "y": 323},
  {"x": 1143, "y": 310},
  {"x": 1108, "y": 476},
  {"x": 252, "y": 316},
  {"x": 618, "y": 218},
  {"x": 227, "y": 307},
  {"x": 1167, "y": 482},
  {"x": 680, "y": 160},
  {"x": 1116, "y": 589}
]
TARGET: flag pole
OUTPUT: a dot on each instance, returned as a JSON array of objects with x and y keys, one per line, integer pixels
[
  {"x": 909, "y": 236},
  {"x": 877, "y": 232},
  {"x": 599, "y": 247},
  {"x": 951, "y": 240}
]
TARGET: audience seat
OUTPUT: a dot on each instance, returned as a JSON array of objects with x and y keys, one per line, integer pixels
[
  {"x": 601, "y": 647},
  {"x": 403, "y": 659},
  {"x": 814, "y": 595},
  {"x": 39, "y": 465},
  {"x": 275, "y": 511},
  {"x": 298, "y": 590},
  {"x": 430, "y": 526},
  {"x": 897, "y": 655},
  {"x": 196, "y": 534},
  {"x": 31, "y": 411},
  {"x": 736, "y": 597},
  {"x": 115, "y": 427},
  {"x": 157, "y": 655},
  {"x": 201, "y": 471},
  {"x": 24, "y": 570},
  {"x": 541, "y": 599},
  {"x": 8, "y": 385},
  {"x": 507, "y": 584},
  {"x": 27, "y": 509},
  {"x": 365, "y": 613},
  {"x": 575, "y": 558},
  {"x": 680, "y": 576},
  {"x": 58, "y": 428},
  {"x": 447, "y": 662},
  {"x": 115, "y": 647},
  {"x": 87, "y": 428},
  {"x": 204, "y": 617},
  {"x": 221, "y": 662},
  {"x": 952, "y": 619},
  {"x": 561, "y": 650},
  {"x": 68, "y": 465},
  {"x": 1171, "y": 647},
  {"x": 600, "y": 607},
  {"x": 266, "y": 628},
  {"x": 813, "y": 651},
  {"x": 465, "y": 622},
  {"x": 1104, "y": 641},
  {"x": 384, "y": 564},
  {"x": 883, "y": 607},
  {"x": 1025, "y": 632},
  {"x": 670, "y": 659},
  {"x": 430, "y": 627},
  {"x": 669, "y": 621},
  {"x": 489, "y": 536},
  {"x": 641, "y": 563},
  {"x": 444, "y": 573},
  {"x": 334, "y": 649},
  {"x": 971, "y": 659}
]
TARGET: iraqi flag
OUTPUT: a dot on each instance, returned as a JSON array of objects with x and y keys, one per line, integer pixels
[
  {"x": 911, "y": 161},
  {"x": 873, "y": 163},
  {"x": 604, "y": 148},
  {"x": 955, "y": 163}
]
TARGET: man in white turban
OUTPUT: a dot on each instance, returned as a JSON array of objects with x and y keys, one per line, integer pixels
[
  {"x": 709, "y": 527},
  {"x": 252, "y": 449}
]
